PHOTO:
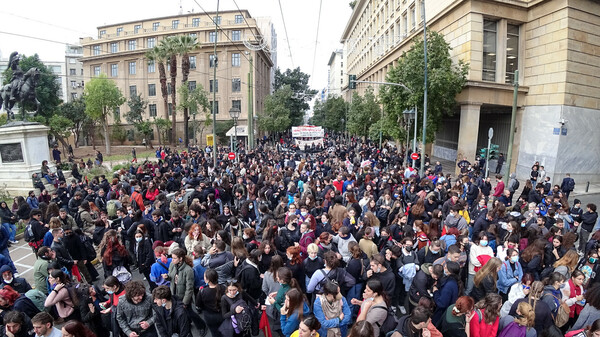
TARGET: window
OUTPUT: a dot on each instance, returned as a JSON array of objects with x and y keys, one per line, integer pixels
[
  {"x": 216, "y": 86},
  {"x": 212, "y": 37},
  {"x": 117, "y": 113},
  {"x": 168, "y": 88},
  {"x": 236, "y": 103},
  {"x": 217, "y": 19},
  {"x": 170, "y": 109},
  {"x": 236, "y": 35},
  {"x": 193, "y": 35},
  {"x": 235, "y": 60},
  {"x": 102, "y": 33},
  {"x": 192, "y": 62},
  {"x": 236, "y": 85},
  {"x": 114, "y": 70},
  {"x": 239, "y": 19},
  {"x": 155, "y": 26},
  {"x": 73, "y": 95},
  {"x": 151, "y": 42},
  {"x": 175, "y": 24},
  {"x": 136, "y": 29},
  {"x": 151, "y": 89},
  {"x": 73, "y": 84},
  {"x": 152, "y": 108},
  {"x": 96, "y": 49},
  {"x": 192, "y": 85},
  {"x": 413, "y": 17},
  {"x": 131, "y": 68},
  {"x": 489, "y": 50},
  {"x": 119, "y": 31},
  {"x": 195, "y": 22},
  {"x": 72, "y": 60},
  {"x": 405, "y": 24},
  {"x": 96, "y": 70},
  {"x": 512, "y": 52},
  {"x": 132, "y": 90},
  {"x": 212, "y": 62},
  {"x": 114, "y": 47},
  {"x": 81, "y": 72},
  {"x": 72, "y": 71},
  {"x": 151, "y": 67},
  {"x": 214, "y": 107},
  {"x": 131, "y": 44}
]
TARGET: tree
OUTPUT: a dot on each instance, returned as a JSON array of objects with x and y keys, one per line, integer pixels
[
  {"x": 158, "y": 55},
  {"x": 445, "y": 81},
  {"x": 170, "y": 48},
  {"x": 135, "y": 116},
  {"x": 74, "y": 111},
  {"x": 102, "y": 96},
  {"x": 330, "y": 114},
  {"x": 163, "y": 125},
  {"x": 195, "y": 101},
  {"x": 276, "y": 115},
  {"x": 118, "y": 132},
  {"x": 363, "y": 113},
  {"x": 296, "y": 103},
  {"x": 185, "y": 44}
]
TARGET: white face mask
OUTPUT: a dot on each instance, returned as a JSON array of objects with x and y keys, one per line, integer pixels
[{"x": 9, "y": 280}]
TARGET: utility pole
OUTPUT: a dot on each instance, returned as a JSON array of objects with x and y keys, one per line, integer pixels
[
  {"x": 425, "y": 93},
  {"x": 250, "y": 107},
  {"x": 513, "y": 118},
  {"x": 214, "y": 105}
]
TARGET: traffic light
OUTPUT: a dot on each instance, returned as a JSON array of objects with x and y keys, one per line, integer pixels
[
  {"x": 483, "y": 152},
  {"x": 494, "y": 151},
  {"x": 351, "y": 81}
]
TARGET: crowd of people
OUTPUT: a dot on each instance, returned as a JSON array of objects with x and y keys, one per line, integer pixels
[{"x": 342, "y": 240}]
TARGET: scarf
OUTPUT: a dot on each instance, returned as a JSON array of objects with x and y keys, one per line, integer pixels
[{"x": 332, "y": 310}]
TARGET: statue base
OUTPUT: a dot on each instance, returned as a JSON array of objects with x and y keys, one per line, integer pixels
[{"x": 23, "y": 147}]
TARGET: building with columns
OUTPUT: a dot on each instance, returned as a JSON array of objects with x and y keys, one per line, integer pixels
[
  {"x": 555, "y": 45},
  {"x": 119, "y": 52}
]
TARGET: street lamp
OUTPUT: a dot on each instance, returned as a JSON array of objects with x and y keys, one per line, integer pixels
[{"x": 234, "y": 113}]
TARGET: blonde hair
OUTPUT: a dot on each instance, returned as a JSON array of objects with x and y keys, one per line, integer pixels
[
  {"x": 527, "y": 315},
  {"x": 490, "y": 268},
  {"x": 569, "y": 260},
  {"x": 54, "y": 223},
  {"x": 312, "y": 248}
]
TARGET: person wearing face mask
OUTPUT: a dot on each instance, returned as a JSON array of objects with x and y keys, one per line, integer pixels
[
  {"x": 423, "y": 284},
  {"x": 551, "y": 294},
  {"x": 307, "y": 237},
  {"x": 144, "y": 256},
  {"x": 332, "y": 309},
  {"x": 134, "y": 311},
  {"x": 486, "y": 279},
  {"x": 590, "y": 267},
  {"x": 446, "y": 290},
  {"x": 478, "y": 253},
  {"x": 63, "y": 257},
  {"x": 77, "y": 250},
  {"x": 510, "y": 273},
  {"x": 169, "y": 314},
  {"x": 430, "y": 253}
]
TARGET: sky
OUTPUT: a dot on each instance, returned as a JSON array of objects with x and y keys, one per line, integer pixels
[{"x": 65, "y": 21}]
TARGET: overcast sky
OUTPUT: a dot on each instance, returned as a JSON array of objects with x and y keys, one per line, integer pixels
[{"x": 65, "y": 21}]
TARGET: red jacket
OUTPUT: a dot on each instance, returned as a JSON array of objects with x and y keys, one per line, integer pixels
[
  {"x": 499, "y": 189},
  {"x": 339, "y": 185},
  {"x": 137, "y": 197},
  {"x": 480, "y": 329}
]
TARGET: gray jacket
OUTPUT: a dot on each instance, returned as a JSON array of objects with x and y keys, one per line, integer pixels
[
  {"x": 587, "y": 316},
  {"x": 182, "y": 282},
  {"x": 130, "y": 315}
]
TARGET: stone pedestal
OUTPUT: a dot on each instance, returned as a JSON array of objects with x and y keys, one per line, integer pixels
[
  {"x": 23, "y": 147},
  {"x": 469, "y": 130}
]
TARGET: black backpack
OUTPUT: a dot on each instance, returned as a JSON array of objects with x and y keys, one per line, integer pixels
[
  {"x": 339, "y": 276},
  {"x": 248, "y": 319},
  {"x": 90, "y": 252},
  {"x": 389, "y": 324},
  {"x": 28, "y": 234}
]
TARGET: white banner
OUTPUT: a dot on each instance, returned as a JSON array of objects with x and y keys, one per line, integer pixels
[{"x": 307, "y": 131}]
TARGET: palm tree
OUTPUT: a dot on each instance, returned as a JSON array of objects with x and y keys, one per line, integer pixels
[
  {"x": 186, "y": 44},
  {"x": 169, "y": 48},
  {"x": 157, "y": 55}
]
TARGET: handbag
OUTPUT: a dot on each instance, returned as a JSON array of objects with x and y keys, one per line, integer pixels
[{"x": 562, "y": 313}]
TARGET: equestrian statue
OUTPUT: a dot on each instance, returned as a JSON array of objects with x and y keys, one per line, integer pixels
[{"x": 20, "y": 89}]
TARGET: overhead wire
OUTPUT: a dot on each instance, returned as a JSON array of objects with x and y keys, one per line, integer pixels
[
  {"x": 246, "y": 21},
  {"x": 316, "y": 41},
  {"x": 286, "y": 34}
]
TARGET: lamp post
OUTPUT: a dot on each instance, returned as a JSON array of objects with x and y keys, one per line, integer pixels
[{"x": 234, "y": 113}]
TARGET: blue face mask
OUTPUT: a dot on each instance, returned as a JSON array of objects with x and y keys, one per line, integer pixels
[
  {"x": 523, "y": 224},
  {"x": 138, "y": 239},
  {"x": 483, "y": 243},
  {"x": 110, "y": 292},
  {"x": 304, "y": 213},
  {"x": 164, "y": 304},
  {"x": 514, "y": 259},
  {"x": 313, "y": 258}
]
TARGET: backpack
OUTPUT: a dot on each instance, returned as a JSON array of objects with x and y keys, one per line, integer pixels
[
  {"x": 513, "y": 330},
  {"x": 37, "y": 297},
  {"x": 28, "y": 234},
  {"x": 341, "y": 277},
  {"x": 570, "y": 185},
  {"x": 111, "y": 209},
  {"x": 390, "y": 322},
  {"x": 246, "y": 322},
  {"x": 90, "y": 252},
  {"x": 122, "y": 274},
  {"x": 516, "y": 185},
  {"x": 78, "y": 220},
  {"x": 561, "y": 313}
]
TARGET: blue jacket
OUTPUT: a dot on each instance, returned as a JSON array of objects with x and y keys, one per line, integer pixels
[
  {"x": 445, "y": 296},
  {"x": 33, "y": 202},
  {"x": 48, "y": 238},
  {"x": 334, "y": 322},
  {"x": 506, "y": 276},
  {"x": 199, "y": 270},
  {"x": 291, "y": 323},
  {"x": 156, "y": 272}
]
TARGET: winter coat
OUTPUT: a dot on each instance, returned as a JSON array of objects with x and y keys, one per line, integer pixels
[
  {"x": 182, "y": 281},
  {"x": 446, "y": 295},
  {"x": 144, "y": 256},
  {"x": 129, "y": 315},
  {"x": 507, "y": 276},
  {"x": 175, "y": 321}
]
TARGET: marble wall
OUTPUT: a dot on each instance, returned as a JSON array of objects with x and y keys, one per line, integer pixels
[{"x": 577, "y": 152}]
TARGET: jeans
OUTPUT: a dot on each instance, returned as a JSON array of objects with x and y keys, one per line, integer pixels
[
  {"x": 12, "y": 230},
  {"x": 469, "y": 287},
  {"x": 583, "y": 239},
  {"x": 5, "y": 253}
]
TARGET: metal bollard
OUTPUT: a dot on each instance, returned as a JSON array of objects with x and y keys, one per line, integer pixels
[{"x": 587, "y": 187}]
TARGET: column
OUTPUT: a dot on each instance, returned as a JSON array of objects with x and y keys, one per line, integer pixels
[{"x": 468, "y": 132}]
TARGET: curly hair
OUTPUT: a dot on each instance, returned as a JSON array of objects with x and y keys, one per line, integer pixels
[
  {"x": 295, "y": 253},
  {"x": 133, "y": 289},
  {"x": 491, "y": 303}
]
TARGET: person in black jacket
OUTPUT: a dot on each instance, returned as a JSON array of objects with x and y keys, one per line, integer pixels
[
  {"x": 63, "y": 257},
  {"x": 170, "y": 315},
  {"x": 422, "y": 285},
  {"x": 588, "y": 221},
  {"x": 38, "y": 228},
  {"x": 379, "y": 271},
  {"x": 77, "y": 250},
  {"x": 144, "y": 256},
  {"x": 247, "y": 274}
]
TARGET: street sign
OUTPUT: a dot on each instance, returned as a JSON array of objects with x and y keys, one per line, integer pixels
[
  {"x": 231, "y": 156},
  {"x": 414, "y": 156},
  {"x": 491, "y": 133}
]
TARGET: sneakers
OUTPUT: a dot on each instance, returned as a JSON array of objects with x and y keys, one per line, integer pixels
[{"x": 13, "y": 241}]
